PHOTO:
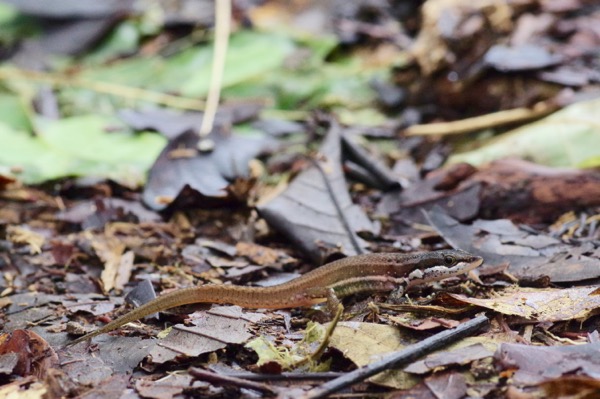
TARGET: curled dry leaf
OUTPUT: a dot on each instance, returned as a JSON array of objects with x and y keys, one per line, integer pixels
[
  {"x": 212, "y": 331},
  {"x": 315, "y": 211},
  {"x": 364, "y": 343},
  {"x": 526, "y": 255},
  {"x": 533, "y": 365},
  {"x": 464, "y": 352},
  {"x": 209, "y": 175},
  {"x": 117, "y": 263},
  {"x": 21, "y": 235},
  {"x": 27, "y": 354},
  {"x": 542, "y": 305}
]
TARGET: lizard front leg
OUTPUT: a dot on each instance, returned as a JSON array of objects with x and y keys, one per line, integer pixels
[
  {"x": 332, "y": 301},
  {"x": 397, "y": 294}
]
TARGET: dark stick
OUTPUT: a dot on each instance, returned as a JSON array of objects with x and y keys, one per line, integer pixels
[
  {"x": 399, "y": 359},
  {"x": 285, "y": 376},
  {"x": 221, "y": 380}
]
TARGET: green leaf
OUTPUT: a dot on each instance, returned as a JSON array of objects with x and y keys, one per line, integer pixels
[
  {"x": 188, "y": 72},
  {"x": 80, "y": 146},
  {"x": 569, "y": 137},
  {"x": 250, "y": 54},
  {"x": 15, "y": 26},
  {"x": 122, "y": 40},
  {"x": 103, "y": 147},
  {"x": 13, "y": 113},
  {"x": 267, "y": 352},
  {"x": 28, "y": 159}
]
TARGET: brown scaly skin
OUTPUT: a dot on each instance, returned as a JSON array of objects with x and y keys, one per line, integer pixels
[{"x": 379, "y": 272}]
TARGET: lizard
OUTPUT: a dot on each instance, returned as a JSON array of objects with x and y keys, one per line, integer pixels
[{"x": 366, "y": 273}]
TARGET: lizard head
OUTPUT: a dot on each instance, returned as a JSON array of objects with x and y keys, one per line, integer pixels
[{"x": 438, "y": 265}]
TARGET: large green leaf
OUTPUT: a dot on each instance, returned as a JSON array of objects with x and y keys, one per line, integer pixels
[
  {"x": 87, "y": 145},
  {"x": 29, "y": 159},
  {"x": 13, "y": 113},
  {"x": 250, "y": 54},
  {"x": 569, "y": 137}
]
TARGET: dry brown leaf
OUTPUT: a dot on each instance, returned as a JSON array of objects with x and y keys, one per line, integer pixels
[
  {"x": 258, "y": 254},
  {"x": 34, "y": 356},
  {"x": 409, "y": 321},
  {"x": 117, "y": 265},
  {"x": 461, "y": 353},
  {"x": 165, "y": 388},
  {"x": 364, "y": 343},
  {"x": 36, "y": 390},
  {"x": 432, "y": 48},
  {"x": 210, "y": 333},
  {"x": 21, "y": 235},
  {"x": 542, "y": 304},
  {"x": 124, "y": 270}
]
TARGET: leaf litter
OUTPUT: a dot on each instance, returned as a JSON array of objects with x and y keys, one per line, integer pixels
[{"x": 99, "y": 238}]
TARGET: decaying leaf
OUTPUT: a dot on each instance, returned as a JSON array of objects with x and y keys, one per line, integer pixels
[
  {"x": 364, "y": 343},
  {"x": 28, "y": 353},
  {"x": 315, "y": 211},
  {"x": 286, "y": 358},
  {"x": 209, "y": 175},
  {"x": 269, "y": 353},
  {"x": 166, "y": 388},
  {"x": 212, "y": 331},
  {"x": 533, "y": 365},
  {"x": 542, "y": 305},
  {"x": 526, "y": 255},
  {"x": 462, "y": 353},
  {"x": 116, "y": 355},
  {"x": 117, "y": 262},
  {"x": 21, "y": 235}
]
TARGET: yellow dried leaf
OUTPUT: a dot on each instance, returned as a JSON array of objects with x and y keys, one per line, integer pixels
[{"x": 20, "y": 235}]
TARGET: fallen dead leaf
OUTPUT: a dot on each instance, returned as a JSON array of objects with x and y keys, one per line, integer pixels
[
  {"x": 212, "y": 331},
  {"x": 16, "y": 390},
  {"x": 408, "y": 321},
  {"x": 542, "y": 305},
  {"x": 33, "y": 354},
  {"x": 117, "y": 267},
  {"x": 535, "y": 365},
  {"x": 269, "y": 354},
  {"x": 447, "y": 385},
  {"x": 261, "y": 255},
  {"x": 464, "y": 352},
  {"x": 166, "y": 388},
  {"x": 364, "y": 343},
  {"x": 315, "y": 211},
  {"x": 21, "y": 235}
]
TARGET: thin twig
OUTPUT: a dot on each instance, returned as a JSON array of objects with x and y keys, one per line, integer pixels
[
  {"x": 482, "y": 122},
  {"x": 399, "y": 359},
  {"x": 314, "y": 357},
  {"x": 329, "y": 375},
  {"x": 224, "y": 380},
  {"x": 134, "y": 93},
  {"x": 222, "y": 28}
]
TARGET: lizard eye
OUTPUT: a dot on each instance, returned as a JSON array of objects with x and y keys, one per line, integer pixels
[{"x": 449, "y": 260}]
